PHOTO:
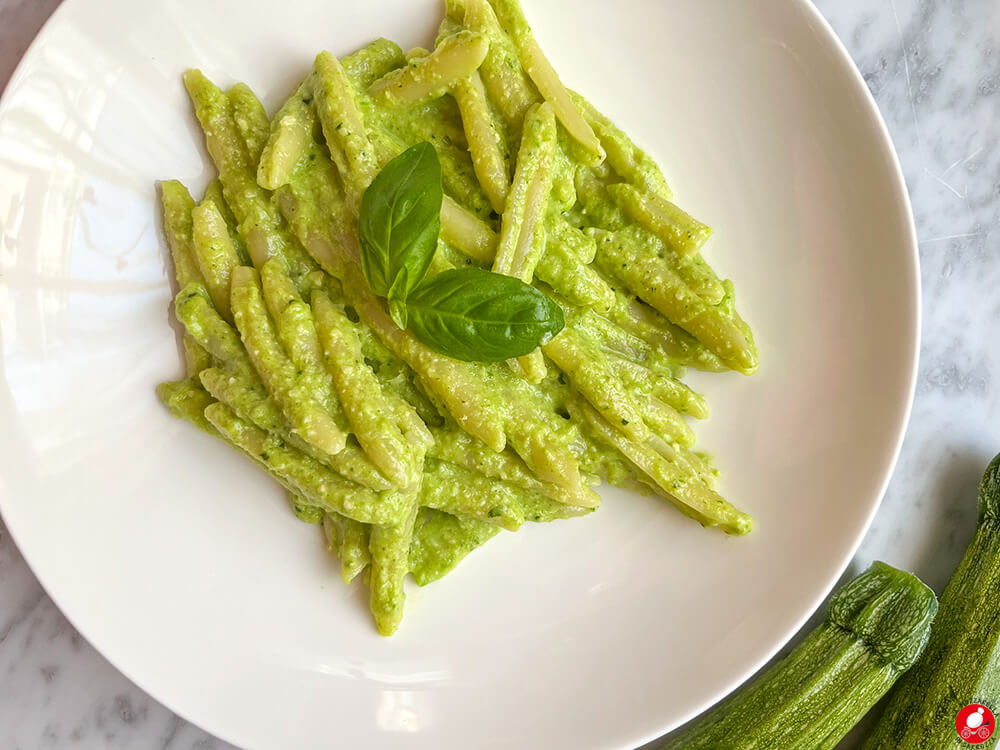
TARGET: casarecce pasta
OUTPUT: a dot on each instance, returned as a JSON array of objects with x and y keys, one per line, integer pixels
[{"x": 408, "y": 459}]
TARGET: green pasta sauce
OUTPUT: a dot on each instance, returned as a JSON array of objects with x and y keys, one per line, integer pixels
[{"x": 408, "y": 459}]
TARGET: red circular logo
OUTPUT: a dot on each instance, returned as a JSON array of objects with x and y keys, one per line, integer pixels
[{"x": 975, "y": 723}]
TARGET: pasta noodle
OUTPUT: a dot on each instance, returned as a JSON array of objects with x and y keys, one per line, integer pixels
[{"x": 409, "y": 460}]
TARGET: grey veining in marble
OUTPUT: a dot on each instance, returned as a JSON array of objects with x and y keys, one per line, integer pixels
[{"x": 934, "y": 68}]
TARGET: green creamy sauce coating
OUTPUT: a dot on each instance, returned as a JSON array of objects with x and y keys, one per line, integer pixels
[
  {"x": 490, "y": 491},
  {"x": 437, "y": 122},
  {"x": 306, "y": 513},
  {"x": 441, "y": 541},
  {"x": 596, "y": 458}
]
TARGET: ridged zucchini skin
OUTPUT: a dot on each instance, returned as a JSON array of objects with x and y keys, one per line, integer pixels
[
  {"x": 962, "y": 662},
  {"x": 875, "y": 628}
]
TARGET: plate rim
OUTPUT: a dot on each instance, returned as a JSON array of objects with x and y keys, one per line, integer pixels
[{"x": 908, "y": 229}]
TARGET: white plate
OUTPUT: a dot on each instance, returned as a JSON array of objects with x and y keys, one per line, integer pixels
[{"x": 184, "y": 566}]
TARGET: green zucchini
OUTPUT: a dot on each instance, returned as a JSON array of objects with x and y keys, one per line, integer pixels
[
  {"x": 875, "y": 628},
  {"x": 961, "y": 665}
]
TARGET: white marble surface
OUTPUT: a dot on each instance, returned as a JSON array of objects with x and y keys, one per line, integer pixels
[{"x": 934, "y": 68}]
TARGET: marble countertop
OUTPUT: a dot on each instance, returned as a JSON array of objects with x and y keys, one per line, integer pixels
[{"x": 934, "y": 69}]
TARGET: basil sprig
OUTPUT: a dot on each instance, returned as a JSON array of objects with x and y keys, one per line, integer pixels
[
  {"x": 466, "y": 313},
  {"x": 477, "y": 315},
  {"x": 399, "y": 225}
]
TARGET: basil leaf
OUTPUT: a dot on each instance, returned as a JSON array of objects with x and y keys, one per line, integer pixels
[
  {"x": 480, "y": 316},
  {"x": 399, "y": 223}
]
